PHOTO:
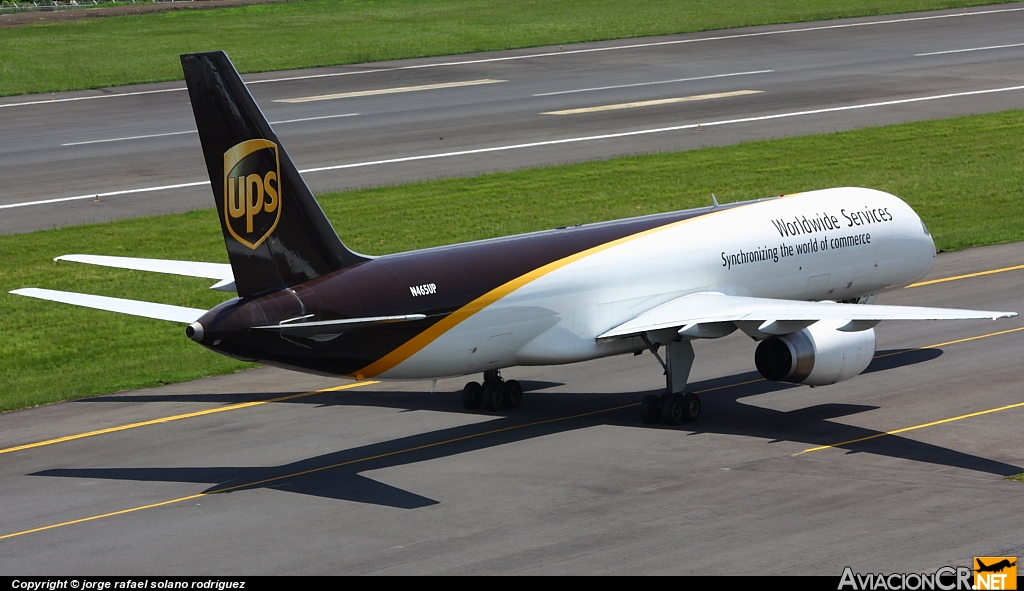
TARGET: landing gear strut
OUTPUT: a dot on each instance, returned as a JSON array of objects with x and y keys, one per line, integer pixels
[
  {"x": 674, "y": 406},
  {"x": 495, "y": 393}
]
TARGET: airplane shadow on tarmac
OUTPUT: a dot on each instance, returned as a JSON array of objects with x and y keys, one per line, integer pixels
[{"x": 337, "y": 475}]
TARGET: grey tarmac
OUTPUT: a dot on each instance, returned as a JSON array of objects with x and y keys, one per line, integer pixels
[
  {"x": 388, "y": 478},
  {"x": 59, "y": 146}
]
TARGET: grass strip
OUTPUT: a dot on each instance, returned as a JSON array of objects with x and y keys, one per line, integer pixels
[
  {"x": 962, "y": 175},
  {"x": 113, "y": 51}
]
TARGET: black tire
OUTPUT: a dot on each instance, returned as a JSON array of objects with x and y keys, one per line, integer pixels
[
  {"x": 691, "y": 407},
  {"x": 672, "y": 410},
  {"x": 472, "y": 396},
  {"x": 513, "y": 393},
  {"x": 493, "y": 396},
  {"x": 650, "y": 409}
]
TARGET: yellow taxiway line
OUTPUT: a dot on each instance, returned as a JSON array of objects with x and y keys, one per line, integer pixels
[
  {"x": 482, "y": 434},
  {"x": 912, "y": 428},
  {"x": 668, "y": 101},
  {"x": 189, "y": 415},
  {"x": 310, "y": 471},
  {"x": 967, "y": 276},
  {"x": 933, "y": 423},
  {"x": 963, "y": 340},
  {"x": 400, "y": 89}
]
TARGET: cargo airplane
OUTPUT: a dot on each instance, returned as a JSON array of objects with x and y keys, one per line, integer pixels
[{"x": 798, "y": 273}]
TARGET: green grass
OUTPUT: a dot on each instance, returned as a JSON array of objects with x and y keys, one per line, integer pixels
[
  {"x": 963, "y": 175},
  {"x": 94, "y": 53}
]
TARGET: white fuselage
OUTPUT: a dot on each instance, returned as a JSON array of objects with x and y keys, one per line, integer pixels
[{"x": 833, "y": 244}]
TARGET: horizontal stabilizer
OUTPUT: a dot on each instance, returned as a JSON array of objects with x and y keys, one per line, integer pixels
[
  {"x": 312, "y": 330},
  {"x": 220, "y": 271},
  {"x": 709, "y": 307},
  {"x": 132, "y": 307}
]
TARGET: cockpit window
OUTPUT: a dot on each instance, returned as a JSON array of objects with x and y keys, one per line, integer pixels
[{"x": 925, "y": 228}]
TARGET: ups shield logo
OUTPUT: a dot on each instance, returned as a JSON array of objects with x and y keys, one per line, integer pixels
[{"x": 252, "y": 191}]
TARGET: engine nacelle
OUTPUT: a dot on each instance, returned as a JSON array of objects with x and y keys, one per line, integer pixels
[{"x": 818, "y": 355}]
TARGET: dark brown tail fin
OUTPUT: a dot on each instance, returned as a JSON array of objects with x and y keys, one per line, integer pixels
[{"x": 275, "y": 231}]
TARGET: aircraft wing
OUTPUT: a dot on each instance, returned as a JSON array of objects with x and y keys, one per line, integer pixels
[
  {"x": 689, "y": 313},
  {"x": 220, "y": 271},
  {"x": 132, "y": 307}
]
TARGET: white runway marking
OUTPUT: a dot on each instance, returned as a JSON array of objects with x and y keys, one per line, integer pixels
[
  {"x": 89, "y": 98},
  {"x": 327, "y": 75},
  {"x": 141, "y": 137},
  {"x": 313, "y": 118},
  {"x": 551, "y": 142},
  {"x": 396, "y": 90},
  {"x": 554, "y": 53},
  {"x": 653, "y": 103},
  {"x": 107, "y": 194},
  {"x": 133, "y": 137},
  {"x": 653, "y": 83},
  {"x": 970, "y": 49},
  {"x": 661, "y": 129}
]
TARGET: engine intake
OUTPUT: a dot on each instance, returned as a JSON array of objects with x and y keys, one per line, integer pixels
[{"x": 818, "y": 355}]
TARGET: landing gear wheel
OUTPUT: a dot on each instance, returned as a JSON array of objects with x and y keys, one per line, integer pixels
[
  {"x": 493, "y": 396},
  {"x": 672, "y": 410},
  {"x": 513, "y": 394},
  {"x": 691, "y": 407},
  {"x": 650, "y": 409},
  {"x": 472, "y": 396}
]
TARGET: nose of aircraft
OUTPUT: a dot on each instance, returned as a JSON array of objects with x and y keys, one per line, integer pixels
[
  {"x": 928, "y": 235},
  {"x": 925, "y": 247}
]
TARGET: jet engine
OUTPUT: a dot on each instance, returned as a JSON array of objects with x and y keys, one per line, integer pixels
[{"x": 818, "y": 355}]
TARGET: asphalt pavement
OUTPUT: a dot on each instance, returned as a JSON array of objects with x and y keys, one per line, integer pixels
[{"x": 901, "y": 469}]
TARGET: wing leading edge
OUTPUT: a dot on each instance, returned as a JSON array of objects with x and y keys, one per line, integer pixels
[
  {"x": 697, "y": 315},
  {"x": 219, "y": 271},
  {"x": 132, "y": 307}
]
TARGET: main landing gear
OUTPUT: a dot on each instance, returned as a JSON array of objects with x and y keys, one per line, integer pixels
[
  {"x": 670, "y": 409},
  {"x": 494, "y": 394},
  {"x": 674, "y": 406}
]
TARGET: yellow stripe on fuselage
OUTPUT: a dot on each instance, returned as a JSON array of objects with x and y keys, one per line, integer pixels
[{"x": 415, "y": 344}]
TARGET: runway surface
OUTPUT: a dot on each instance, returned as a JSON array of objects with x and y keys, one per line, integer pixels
[
  {"x": 258, "y": 473},
  {"x": 270, "y": 472},
  {"x": 92, "y": 156}
]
